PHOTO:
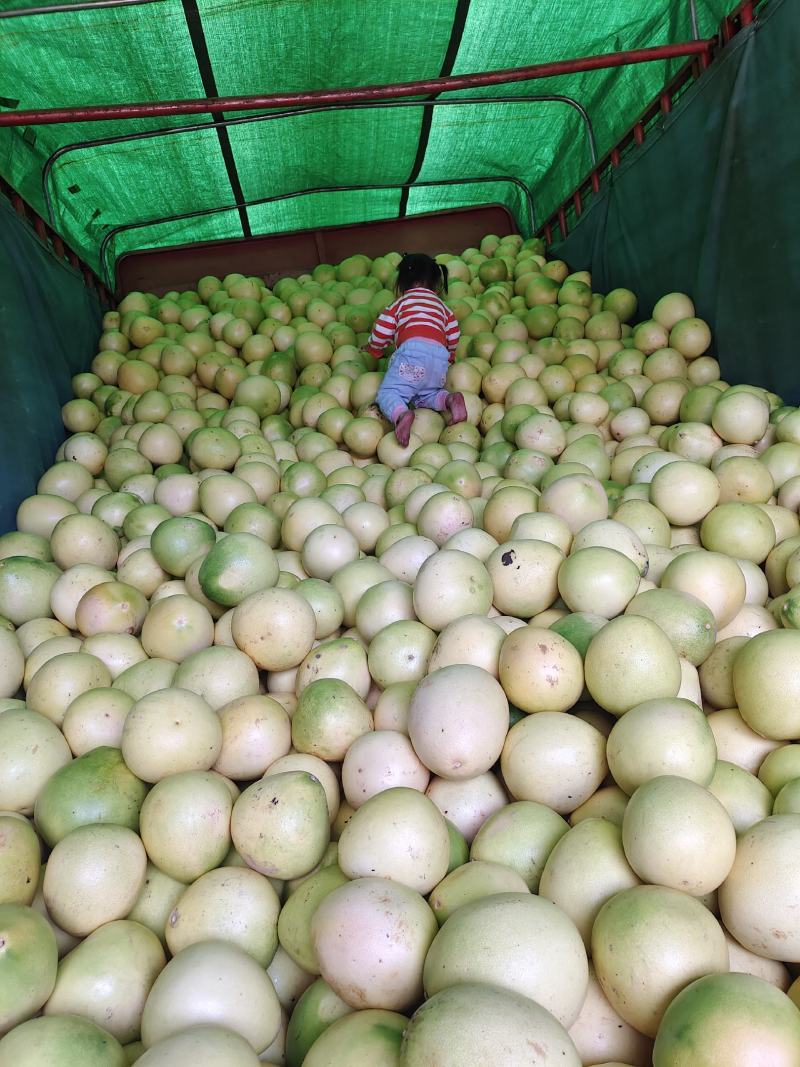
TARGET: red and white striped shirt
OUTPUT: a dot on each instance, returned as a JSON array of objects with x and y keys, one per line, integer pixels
[{"x": 417, "y": 313}]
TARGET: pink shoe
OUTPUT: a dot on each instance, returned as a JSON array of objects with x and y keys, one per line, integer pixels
[
  {"x": 457, "y": 407},
  {"x": 402, "y": 428}
]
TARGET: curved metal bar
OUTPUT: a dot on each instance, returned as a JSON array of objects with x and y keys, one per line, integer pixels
[
  {"x": 84, "y": 5},
  {"x": 205, "y": 212},
  {"x": 397, "y": 90},
  {"x": 99, "y": 142}
]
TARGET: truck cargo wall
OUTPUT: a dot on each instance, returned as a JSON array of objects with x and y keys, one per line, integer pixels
[
  {"x": 49, "y": 325},
  {"x": 709, "y": 205}
]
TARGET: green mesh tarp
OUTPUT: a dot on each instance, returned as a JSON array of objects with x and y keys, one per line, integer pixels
[
  {"x": 535, "y": 150},
  {"x": 49, "y": 325},
  {"x": 707, "y": 205}
]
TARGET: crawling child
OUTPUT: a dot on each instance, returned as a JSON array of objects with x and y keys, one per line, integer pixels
[{"x": 426, "y": 334}]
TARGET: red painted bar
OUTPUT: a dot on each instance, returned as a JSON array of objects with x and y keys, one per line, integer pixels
[
  {"x": 100, "y": 112},
  {"x": 742, "y": 15}
]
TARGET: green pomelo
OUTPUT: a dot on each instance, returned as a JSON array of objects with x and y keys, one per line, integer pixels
[
  {"x": 95, "y": 788},
  {"x": 294, "y": 922},
  {"x": 28, "y": 961},
  {"x": 65, "y": 1040},
  {"x": 176, "y": 543},
  {"x": 238, "y": 565},
  {"x": 473, "y": 881},
  {"x": 729, "y": 1020},
  {"x": 370, "y": 1037},
  {"x": 579, "y": 628},
  {"x": 314, "y": 1012},
  {"x": 687, "y": 621}
]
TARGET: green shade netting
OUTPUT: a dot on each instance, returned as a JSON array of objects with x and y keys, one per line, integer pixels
[
  {"x": 706, "y": 206},
  {"x": 157, "y": 50}
]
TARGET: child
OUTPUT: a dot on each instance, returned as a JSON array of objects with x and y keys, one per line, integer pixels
[{"x": 426, "y": 334}]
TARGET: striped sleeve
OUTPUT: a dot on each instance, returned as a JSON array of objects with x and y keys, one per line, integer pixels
[
  {"x": 452, "y": 332},
  {"x": 384, "y": 330}
]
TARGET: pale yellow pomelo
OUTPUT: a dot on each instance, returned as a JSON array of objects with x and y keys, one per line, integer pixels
[
  {"x": 554, "y": 759},
  {"x": 505, "y": 940},
  {"x": 457, "y": 721},
  {"x": 484, "y": 1024},
  {"x": 371, "y": 937},
  {"x": 648, "y": 943},
  {"x": 520, "y": 836},
  {"x": 189, "y": 992},
  {"x": 417, "y": 851},
  {"x": 540, "y": 670},
  {"x": 676, "y": 833},
  {"x": 629, "y": 661},
  {"x": 107, "y": 978},
  {"x": 586, "y": 867},
  {"x": 760, "y": 895}
]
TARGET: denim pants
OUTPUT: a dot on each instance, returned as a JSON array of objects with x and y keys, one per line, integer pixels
[{"x": 416, "y": 375}]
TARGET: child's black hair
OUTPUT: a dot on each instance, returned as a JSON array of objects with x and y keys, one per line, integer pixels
[{"x": 415, "y": 268}]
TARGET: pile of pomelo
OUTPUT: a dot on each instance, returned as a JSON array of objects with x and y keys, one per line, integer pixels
[{"x": 317, "y": 750}]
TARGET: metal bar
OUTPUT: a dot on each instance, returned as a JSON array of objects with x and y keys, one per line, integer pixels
[
  {"x": 84, "y": 5},
  {"x": 562, "y": 223},
  {"x": 546, "y": 98},
  {"x": 743, "y": 14},
  {"x": 112, "y": 233},
  {"x": 453, "y": 45},
  {"x": 693, "y": 20},
  {"x": 102, "y": 112},
  {"x": 197, "y": 36}
]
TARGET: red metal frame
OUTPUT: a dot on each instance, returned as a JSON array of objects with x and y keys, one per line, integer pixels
[
  {"x": 159, "y": 109},
  {"x": 702, "y": 51},
  {"x": 574, "y": 204},
  {"x": 55, "y": 242}
]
